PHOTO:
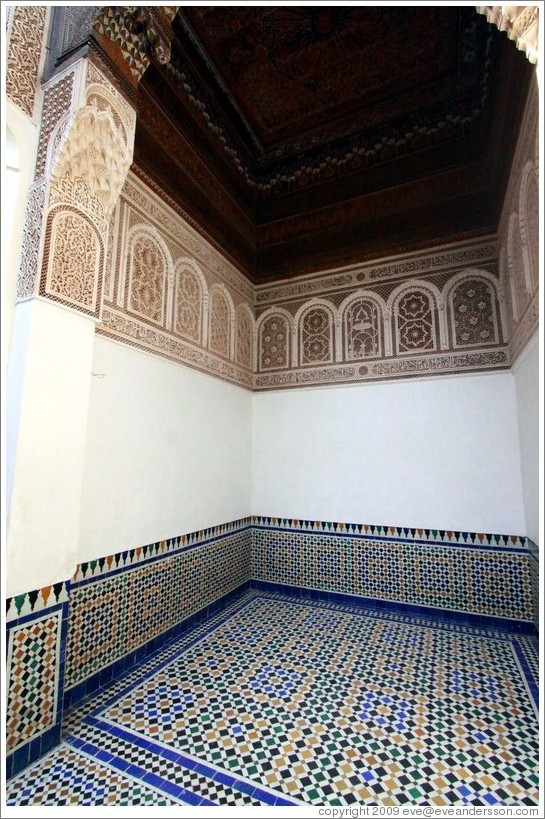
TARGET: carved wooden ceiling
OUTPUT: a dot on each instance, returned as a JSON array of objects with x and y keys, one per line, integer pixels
[{"x": 306, "y": 138}]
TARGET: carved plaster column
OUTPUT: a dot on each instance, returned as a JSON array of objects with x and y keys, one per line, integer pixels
[{"x": 84, "y": 153}]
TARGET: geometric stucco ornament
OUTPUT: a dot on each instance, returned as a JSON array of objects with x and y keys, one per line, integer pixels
[{"x": 93, "y": 149}]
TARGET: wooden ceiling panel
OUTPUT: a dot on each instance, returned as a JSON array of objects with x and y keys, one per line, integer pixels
[{"x": 304, "y": 137}]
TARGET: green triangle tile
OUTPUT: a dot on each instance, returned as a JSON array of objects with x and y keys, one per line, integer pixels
[{"x": 19, "y": 602}]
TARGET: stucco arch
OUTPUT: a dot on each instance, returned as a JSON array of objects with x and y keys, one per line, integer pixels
[
  {"x": 385, "y": 343},
  {"x": 326, "y": 305},
  {"x": 438, "y": 311}
]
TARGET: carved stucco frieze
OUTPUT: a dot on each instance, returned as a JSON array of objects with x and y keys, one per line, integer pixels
[
  {"x": 25, "y": 43},
  {"x": 450, "y": 318},
  {"x": 121, "y": 327},
  {"x": 357, "y": 275}
]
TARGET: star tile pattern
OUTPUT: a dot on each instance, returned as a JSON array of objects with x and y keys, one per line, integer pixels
[{"x": 280, "y": 700}]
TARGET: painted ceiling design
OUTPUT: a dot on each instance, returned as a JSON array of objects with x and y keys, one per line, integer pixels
[
  {"x": 303, "y": 138},
  {"x": 299, "y": 78}
]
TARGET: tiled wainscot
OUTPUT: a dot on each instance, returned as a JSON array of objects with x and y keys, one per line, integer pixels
[
  {"x": 471, "y": 574},
  {"x": 36, "y": 625},
  {"x": 125, "y": 606},
  {"x": 68, "y": 641}
]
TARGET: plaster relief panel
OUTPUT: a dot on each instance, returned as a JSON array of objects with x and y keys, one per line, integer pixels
[
  {"x": 274, "y": 342},
  {"x": 219, "y": 330},
  {"x": 362, "y": 323},
  {"x": 75, "y": 253},
  {"x": 473, "y": 313},
  {"x": 316, "y": 327},
  {"x": 244, "y": 331},
  {"x": 189, "y": 289},
  {"x": 414, "y": 322},
  {"x": 147, "y": 278}
]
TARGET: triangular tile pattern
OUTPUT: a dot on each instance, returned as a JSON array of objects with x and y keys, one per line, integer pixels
[
  {"x": 36, "y": 600},
  {"x": 398, "y": 532}
]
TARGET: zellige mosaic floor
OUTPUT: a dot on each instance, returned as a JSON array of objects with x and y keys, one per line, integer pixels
[{"x": 283, "y": 700}]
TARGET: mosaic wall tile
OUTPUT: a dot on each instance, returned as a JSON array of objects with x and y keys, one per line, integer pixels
[
  {"x": 465, "y": 572},
  {"x": 122, "y": 602},
  {"x": 533, "y": 551},
  {"x": 34, "y": 672}
]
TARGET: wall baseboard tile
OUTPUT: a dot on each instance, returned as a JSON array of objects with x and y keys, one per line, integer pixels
[
  {"x": 116, "y": 611},
  {"x": 533, "y": 552},
  {"x": 467, "y": 572},
  {"x": 36, "y": 644}
]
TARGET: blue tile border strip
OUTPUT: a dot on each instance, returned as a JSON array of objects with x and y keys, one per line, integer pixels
[
  {"x": 393, "y": 607},
  {"x": 527, "y": 673},
  {"x": 179, "y": 758},
  {"x": 167, "y": 788}
]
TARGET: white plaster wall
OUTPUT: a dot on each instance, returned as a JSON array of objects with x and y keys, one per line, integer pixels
[
  {"x": 436, "y": 453},
  {"x": 168, "y": 451},
  {"x": 46, "y": 418},
  {"x": 19, "y": 155},
  {"x": 526, "y": 371}
]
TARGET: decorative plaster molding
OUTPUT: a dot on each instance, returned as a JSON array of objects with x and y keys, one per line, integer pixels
[
  {"x": 414, "y": 264},
  {"x": 416, "y": 366},
  {"x": 120, "y": 327}
]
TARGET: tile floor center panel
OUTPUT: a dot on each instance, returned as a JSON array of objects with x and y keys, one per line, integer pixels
[
  {"x": 335, "y": 707},
  {"x": 287, "y": 701}
]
